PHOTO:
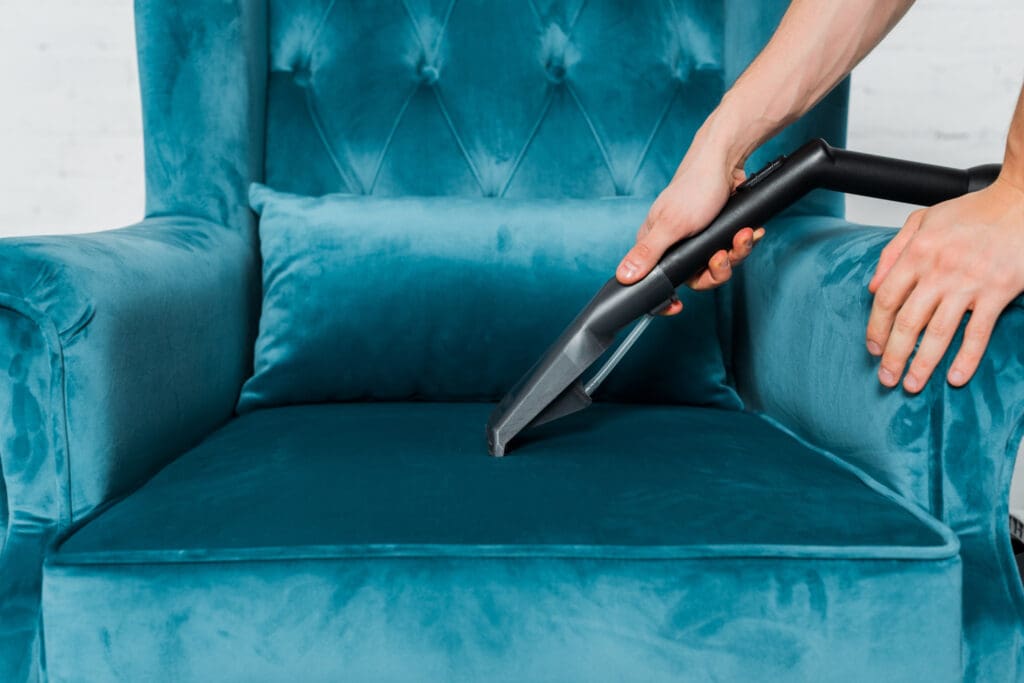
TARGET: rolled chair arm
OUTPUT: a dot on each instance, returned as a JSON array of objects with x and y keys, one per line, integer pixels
[
  {"x": 801, "y": 307},
  {"x": 121, "y": 350}
]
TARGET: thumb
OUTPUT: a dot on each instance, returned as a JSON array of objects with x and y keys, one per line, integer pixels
[{"x": 644, "y": 255}]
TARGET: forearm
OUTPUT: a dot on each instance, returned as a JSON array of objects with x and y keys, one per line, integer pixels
[
  {"x": 817, "y": 43},
  {"x": 1013, "y": 162}
]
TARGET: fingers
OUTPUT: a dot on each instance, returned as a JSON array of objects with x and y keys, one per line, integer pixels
[
  {"x": 892, "y": 251},
  {"x": 976, "y": 335},
  {"x": 906, "y": 328},
  {"x": 937, "y": 336},
  {"x": 718, "y": 272},
  {"x": 639, "y": 260},
  {"x": 889, "y": 300},
  {"x": 674, "y": 306}
]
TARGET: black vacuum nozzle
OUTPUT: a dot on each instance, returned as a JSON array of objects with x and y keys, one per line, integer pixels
[{"x": 555, "y": 387}]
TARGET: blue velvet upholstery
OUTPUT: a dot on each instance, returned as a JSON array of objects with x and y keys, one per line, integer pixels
[
  {"x": 950, "y": 451},
  {"x": 531, "y": 98},
  {"x": 125, "y": 349},
  {"x": 278, "y": 551},
  {"x": 451, "y": 298}
]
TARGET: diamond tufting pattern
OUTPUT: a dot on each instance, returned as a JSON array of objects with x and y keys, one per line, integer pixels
[{"x": 526, "y": 98}]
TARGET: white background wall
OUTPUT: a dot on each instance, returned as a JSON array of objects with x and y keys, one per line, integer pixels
[{"x": 940, "y": 88}]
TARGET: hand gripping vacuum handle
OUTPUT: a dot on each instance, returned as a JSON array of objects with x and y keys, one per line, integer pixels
[
  {"x": 778, "y": 185},
  {"x": 552, "y": 387}
]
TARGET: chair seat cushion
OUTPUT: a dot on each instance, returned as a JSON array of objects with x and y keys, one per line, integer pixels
[{"x": 380, "y": 542}]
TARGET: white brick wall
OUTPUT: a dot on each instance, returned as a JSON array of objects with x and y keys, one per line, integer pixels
[{"x": 940, "y": 89}]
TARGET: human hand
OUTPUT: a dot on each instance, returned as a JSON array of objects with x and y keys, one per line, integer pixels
[
  {"x": 966, "y": 254},
  {"x": 691, "y": 201}
]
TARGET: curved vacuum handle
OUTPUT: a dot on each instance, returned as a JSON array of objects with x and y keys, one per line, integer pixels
[
  {"x": 766, "y": 193},
  {"x": 816, "y": 165}
]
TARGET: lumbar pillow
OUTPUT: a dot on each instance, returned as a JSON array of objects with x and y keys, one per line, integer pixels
[{"x": 452, "y": 298}]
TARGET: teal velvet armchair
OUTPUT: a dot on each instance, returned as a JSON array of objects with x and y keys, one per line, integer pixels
[{"x": 830, "y": 530}]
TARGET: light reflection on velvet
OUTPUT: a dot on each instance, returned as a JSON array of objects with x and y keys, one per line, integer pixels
[
  {"x": 537, "y": 619},
  {"x": 131, "y": 348},
  {"x": 203, "y": 75},
  {"x": 803, "y": 307},
  {"x": 121, "y": 350},
  {"x": 712, "y": 556},
  {"x": 452, "y": 298}
]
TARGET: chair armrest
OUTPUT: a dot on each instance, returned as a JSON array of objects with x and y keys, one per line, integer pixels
[
  {"x": 801, "y": 307},
  {"x": 122, "y": 349}
]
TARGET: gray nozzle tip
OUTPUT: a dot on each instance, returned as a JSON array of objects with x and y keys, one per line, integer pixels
[{"x": 494, "y": 446}]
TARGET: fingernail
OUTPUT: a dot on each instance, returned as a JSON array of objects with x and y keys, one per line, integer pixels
[
  {"x": 627, "y": 269},
  {"x": 749, "y": 242},
  {"x": 874, "y": 349},
  {"x": 888, "y": 379},
  {"x": 956, "y": 377},
  {"x": 911, "y": 383}
]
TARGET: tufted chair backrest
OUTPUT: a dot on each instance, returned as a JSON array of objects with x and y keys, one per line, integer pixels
[{"x": 506, "y": 98}]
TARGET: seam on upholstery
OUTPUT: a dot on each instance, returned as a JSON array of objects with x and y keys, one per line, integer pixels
[
  {"x": 352, "y": 183},
  {"x": 315, "y": 36},
  {"x": 867, "y": 553},
  {"x": 650, "y": 139},
  {"x": 58, "y": 394},
  {"x": 936, "y": 464},
  {"x": 5, "y": 508},
  {"x": 1010, "y": 574},
  {"x": 444, "y": 23},
  {"x": 430, "y": 49},
  {"x": 951, "y": 543},
  {"x": 529, "y": 140},
  {"x": 391, "y": 136},
  {"x": 674, "y": 9},
  {"x": 593, "y": 132},
  {"x": 458, "y": 140},
  {"x": 416, "y": 26},
  {"x": 79, "y": 325}
]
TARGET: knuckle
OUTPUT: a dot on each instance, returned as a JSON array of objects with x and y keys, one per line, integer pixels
[
  {"x": 905, "y": 323},
  {"x": 948, "y": 260},
  {"x": 922, "y": 246},
  {"x": 642, "y": 250},
  {"x": 975, "y": 335},
  {"x": 939, "y": 329},
  {"x": 925, "y": 362},
  {"x": 886, "y": 301}
]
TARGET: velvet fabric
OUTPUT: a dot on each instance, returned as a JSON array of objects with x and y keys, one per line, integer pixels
[
  {"x": 531, "y": 99},
  {"x": 123, "y": 350},
  {"x": 638, "y": 542},
  {"x": 800, "y": 357},
  {"x": 451, "y": 298}
]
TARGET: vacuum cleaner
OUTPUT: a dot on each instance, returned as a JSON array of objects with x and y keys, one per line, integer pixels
[{"x": 555, "y": 386}]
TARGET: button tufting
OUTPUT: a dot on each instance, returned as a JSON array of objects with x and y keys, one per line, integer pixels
[
  {"x": 557, "y": 54},
  {"x": 428, "y": 73},
  {"x": 302, "y": 76},
  {"x": 681, "y": 68},
  {"x": 555, "y": 69}
]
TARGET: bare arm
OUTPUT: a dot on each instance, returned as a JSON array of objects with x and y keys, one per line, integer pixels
[
  {"x": 1013, "y": 161},
  {"x": 815, "y": 46}
]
